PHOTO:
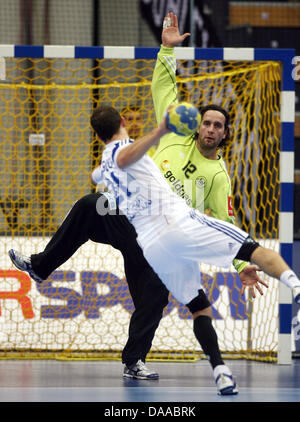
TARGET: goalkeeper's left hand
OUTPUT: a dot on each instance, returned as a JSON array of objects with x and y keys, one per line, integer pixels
[{"x": 250, "y": 278}]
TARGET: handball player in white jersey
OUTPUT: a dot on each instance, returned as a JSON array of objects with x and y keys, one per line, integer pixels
[{"x": 174, "y": 237}]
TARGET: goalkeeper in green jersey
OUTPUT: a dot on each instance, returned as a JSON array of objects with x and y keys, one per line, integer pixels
[
  {"x": 191, "y": 164},
  {"x": 195, "y": 171}
]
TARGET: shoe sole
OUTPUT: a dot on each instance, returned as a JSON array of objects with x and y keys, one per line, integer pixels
[
  {"x": 228, "y": 392},
  {"x": 231, "y": 390},
  {"x": 137, "y": 377}
]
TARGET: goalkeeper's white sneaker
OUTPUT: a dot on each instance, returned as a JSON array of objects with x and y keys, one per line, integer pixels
[
  {"x": 296, "y": 294},
  {"x": 23, "y": 263},
  {"x": 139, "y": 371},
  {"x": 226, "y": 384}
]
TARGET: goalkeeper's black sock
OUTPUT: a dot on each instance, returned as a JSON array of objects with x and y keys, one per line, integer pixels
[{"x": 207, "y": 337}]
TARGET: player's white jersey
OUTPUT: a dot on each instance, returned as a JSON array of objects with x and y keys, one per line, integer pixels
[
  {"x": 173, "y": 236},
  {"x": 141, "y": 191}
]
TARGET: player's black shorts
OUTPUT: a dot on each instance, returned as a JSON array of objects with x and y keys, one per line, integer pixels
[{"x": 247, "y": 248}]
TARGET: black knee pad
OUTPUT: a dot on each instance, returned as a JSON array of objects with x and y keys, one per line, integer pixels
[
  {"x": 199, "y": 302},
  {"x": 247, "y": 248}
]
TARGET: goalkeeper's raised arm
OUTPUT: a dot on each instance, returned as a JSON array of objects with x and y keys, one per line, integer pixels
[
  {"x": 170, "y": 33},
  {"x": 164, "y": 88},
  {"x": 198, "y": 153}
]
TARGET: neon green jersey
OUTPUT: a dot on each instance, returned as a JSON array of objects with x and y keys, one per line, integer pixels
[{"x": 202, "y": 182}]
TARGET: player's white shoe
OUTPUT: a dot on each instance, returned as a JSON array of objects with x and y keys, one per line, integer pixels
[
  {"x": 296, "y": 294},
  {"x": 226, "y": 385},
  {"x": 139, "y": 371},
  {"x": 23, "y": 263}
]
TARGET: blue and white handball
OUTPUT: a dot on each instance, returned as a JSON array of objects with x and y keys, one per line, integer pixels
[{"x": 183, "y": 119}]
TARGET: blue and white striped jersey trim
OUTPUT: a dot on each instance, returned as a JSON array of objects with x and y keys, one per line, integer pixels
[{"x": 232, "y": 232}]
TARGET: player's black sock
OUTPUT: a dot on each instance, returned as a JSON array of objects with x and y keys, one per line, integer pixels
[
  {"x": 130, "y": 363},
  {"x": 207, "y": 337}
]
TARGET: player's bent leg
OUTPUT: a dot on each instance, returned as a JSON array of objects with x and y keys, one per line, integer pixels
[
  {"x": 72, "y": 233},
  {"x": 207, "y": 338},
  {"x": 269, "y": 261},
  {"x": 274, "y": 265},
  {"x": 144, "y": 320}
]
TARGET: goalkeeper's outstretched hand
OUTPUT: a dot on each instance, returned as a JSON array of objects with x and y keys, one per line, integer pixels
[
  {"x": 250, "y": 278},
  {"x": 170, "y": 33}
]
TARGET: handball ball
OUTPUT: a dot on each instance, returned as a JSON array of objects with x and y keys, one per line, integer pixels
[{"x": 183, "y": 119}]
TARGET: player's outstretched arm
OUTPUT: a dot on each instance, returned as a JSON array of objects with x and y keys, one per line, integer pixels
[
  {"x": 170, "y": 34},
  {"x": 135, "y": 151}
]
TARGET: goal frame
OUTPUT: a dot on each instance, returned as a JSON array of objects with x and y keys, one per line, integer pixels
[{"x": 287, "y": 120}]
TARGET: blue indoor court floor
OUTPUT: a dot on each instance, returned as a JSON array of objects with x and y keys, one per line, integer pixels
[{"x": 102, "y": 381}]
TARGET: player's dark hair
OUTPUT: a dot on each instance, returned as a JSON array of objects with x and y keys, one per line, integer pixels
[
  {"x": 105, "y": 121},
  {"x": 225, "y": 113}
]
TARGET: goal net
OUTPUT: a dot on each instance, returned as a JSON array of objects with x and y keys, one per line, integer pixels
[{"x": 47, "y": 153}]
